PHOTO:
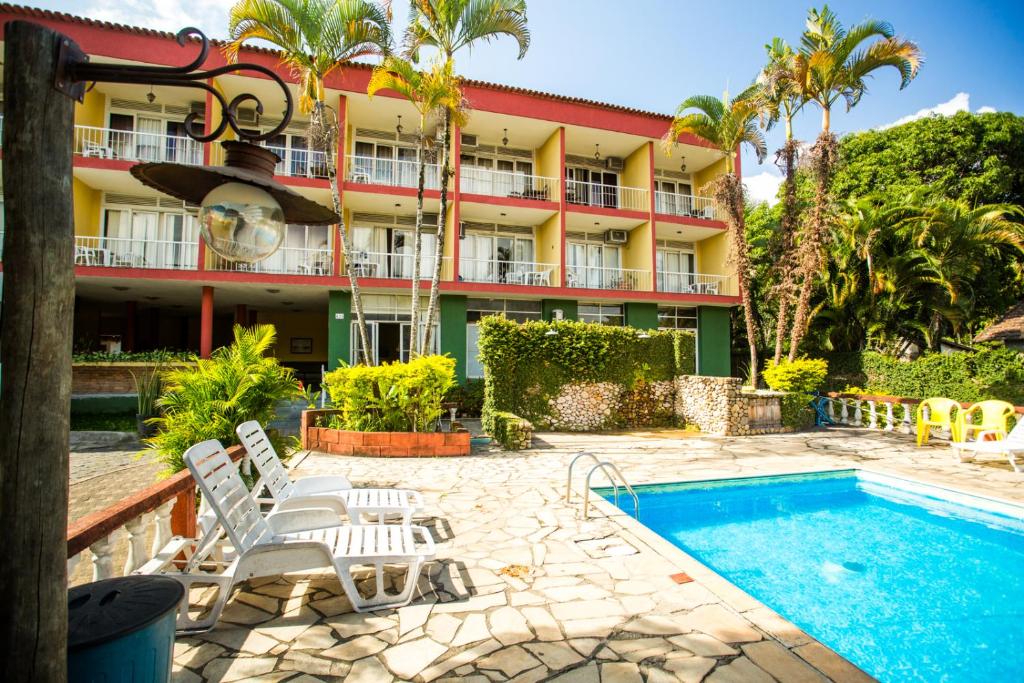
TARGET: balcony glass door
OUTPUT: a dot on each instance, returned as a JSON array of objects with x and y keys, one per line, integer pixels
[
  {"x": 675, "y": 271},
  {"x": 148, "y": 136},
  {"x": 402, "y": 254}
]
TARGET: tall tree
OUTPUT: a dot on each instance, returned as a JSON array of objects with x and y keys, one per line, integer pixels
[
  {"x": 780, "y": 96},
  {"x": 449, "y": 26},
  {"x": 432, "y": 93},
  {"x": 315, "y": 38},
  {"x": 727, "y": 124},
  {"x": 834, "y": 64}
]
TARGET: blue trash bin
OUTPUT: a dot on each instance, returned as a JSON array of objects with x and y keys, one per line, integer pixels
[{"x": 122, "y": 630}]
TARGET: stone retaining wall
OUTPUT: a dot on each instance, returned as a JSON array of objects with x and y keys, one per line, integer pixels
[
  {"x": 718, "y": 405},
  {"x": 592, "y": 406},
  {"x": 89, "y": 379},
  {"x": 379, "y": 444}
]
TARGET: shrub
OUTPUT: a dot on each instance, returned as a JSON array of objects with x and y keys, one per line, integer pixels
[
  {"x": 469, "y": 397},
  {"x": 800, "y": 375},
  {"x": 511, "y": 431},
  {"x": 156, "y": 356},
  {"x": 392, "y": 397},
  {"x": 236, "y": 384},
  {"x": 797, "y": 413}
]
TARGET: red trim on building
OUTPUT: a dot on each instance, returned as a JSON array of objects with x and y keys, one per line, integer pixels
[
  {"x": 514, "y": 202},
  {"x": 206, "y": 323},
  {"x": 562, "y": 207},
  {"x": 605, "y": 211},
  {"x": 456, "y": 206},
  {"x": 689, "y": 220},
  {"x": 654, "y": 224},
  {"x": 389, "y": 189}
]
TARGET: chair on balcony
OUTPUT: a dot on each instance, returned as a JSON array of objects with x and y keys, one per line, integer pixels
[
  {"x": 97, "y": 150},
  {"x": 287, "y": 541}
]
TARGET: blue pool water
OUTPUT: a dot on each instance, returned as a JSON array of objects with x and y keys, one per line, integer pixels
[{"x": 895, "y": 576}]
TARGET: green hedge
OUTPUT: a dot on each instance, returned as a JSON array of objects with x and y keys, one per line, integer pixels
[
  {"x": 157, "y": 356},
  {"x": 511, "y": 431},
  {"x": 990, "y": 373},
  {"x": 468, "y": 396},
  {"x": 526, "y": 366}
]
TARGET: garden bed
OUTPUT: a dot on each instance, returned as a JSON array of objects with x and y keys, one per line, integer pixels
[{"x": 380, "y": 444}]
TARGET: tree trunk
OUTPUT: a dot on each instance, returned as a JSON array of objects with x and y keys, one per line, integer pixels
[
  {"x": 728, "y": 192},
  {"x": 414, "y": 336},
  {"x": 35, "y": 353},
  {"x": 787, "y": 262},
  {"x": 328, "y": 139},
  {"x": 823, "y": 159},
  {"x": 442, "y": 223}
]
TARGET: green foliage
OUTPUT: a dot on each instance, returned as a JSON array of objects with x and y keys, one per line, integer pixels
[
  {"x": 393, "y": 397},
  {"x": 103, "y": 422},
  {"x": 800, "y": 375},
  {"x": 525, "y": 367},
  {"x": 156, "y": 356},
  {"x": 469, "y": 397},
  {"x": 236, "y": 384},
  {"x": 797, "y": 413},
  {"x": 990, "y": 373},
  {"x": 509, "y": 430},
  {"x": 147, "y": 389}
]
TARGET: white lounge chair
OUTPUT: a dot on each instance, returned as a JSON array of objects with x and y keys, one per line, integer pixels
[
  {"x": 288, "y": 541},
  {"x": 379, "y": 505},
  {"x": 1008, "y": 445}
]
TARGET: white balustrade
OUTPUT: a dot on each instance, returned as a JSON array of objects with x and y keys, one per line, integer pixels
[
  {"x": 161, "y": 527},
  {"x": 907, "y": 420},
  {"x": 102, "y": 558},
  {"x": 596, "y": 277},
  {"x": 694, "y": 283},
  {"x": 845, "y": 412},
  {"x": 606, "y": 196},
  {"x": 132, "y": 145},
  {"x": 392, "y": 172},
  {"x": 872, "y": 415},
  {"x": 136, "y": 544},
  {"x": 474, "y": 180},
  {"x": 858, "y": 416},
  {"x": 686, "y": 205},
  {"x": 299, "y": 163},
  {"x": 284, "y": 261},
  {"x": 508, "y": 272},
  {"x": 397, "y": 266},
  {"x": 118, "y": 252},
  {"x": 831, "y": 409},
  {"x": 889, "y": 419}
]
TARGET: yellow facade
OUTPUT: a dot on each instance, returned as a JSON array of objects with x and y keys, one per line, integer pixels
[{"x": 300, "y": 327}]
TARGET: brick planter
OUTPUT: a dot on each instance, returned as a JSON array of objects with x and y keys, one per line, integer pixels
[
  {"x": 380, "y": 444},
  {"x": 111, "y": 378}
]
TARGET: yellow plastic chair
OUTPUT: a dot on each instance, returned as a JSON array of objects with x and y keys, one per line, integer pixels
[
  {"x": 942, "y": 412},
  {"x": 994, "y": 416}
]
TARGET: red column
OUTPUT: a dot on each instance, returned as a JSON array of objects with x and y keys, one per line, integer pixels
[
  {"x": 241, "y": 314},
  {"x": 206, "y": 324},
  {"x": 207, "y": 158},
  {"x": 654, "y": 223},
  {"x": 130, "y": 322},
  {"x": 456, "y": 199},
  {"x": 562, "y": 206}
]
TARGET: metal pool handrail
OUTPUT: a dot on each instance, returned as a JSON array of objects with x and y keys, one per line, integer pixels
[
  {"x": 586, "y": 490},
  {"x": 568, "y": 483}
]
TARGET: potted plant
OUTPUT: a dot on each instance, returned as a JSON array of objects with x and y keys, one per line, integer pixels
[{"x": 147, "y": 388}]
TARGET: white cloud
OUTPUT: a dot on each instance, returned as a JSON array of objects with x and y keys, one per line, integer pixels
[
  {"x": 763, "y": 187},
  {"x": 986, "y": 110},
  {"x": 960, "y": 102},
  {"x": 210, "y": 16}
]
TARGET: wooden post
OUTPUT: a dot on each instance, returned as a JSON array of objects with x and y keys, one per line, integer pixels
[{"x": 35, "y": 353}]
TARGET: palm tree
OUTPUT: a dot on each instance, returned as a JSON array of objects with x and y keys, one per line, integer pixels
[
  {"x": 834, "y": 63},
  {"x": 432, "y": 92},
  {"x": 780, "y": 96},
  {"x": 449, "y": 26},
  {"x": 727, "y": 124},
  {"x": 315, "y": 38}
]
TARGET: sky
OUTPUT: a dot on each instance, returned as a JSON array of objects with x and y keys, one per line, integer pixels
[{"x": 653, "y": 54}]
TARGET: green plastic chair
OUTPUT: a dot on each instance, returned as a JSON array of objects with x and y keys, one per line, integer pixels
[
  {"x": 942, "y": 412},
  {"x": 994, "y": 417}
]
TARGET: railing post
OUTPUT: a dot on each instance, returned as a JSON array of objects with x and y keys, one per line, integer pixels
[
  {"x": 183, "y": 516},
  {"x": 845, "y": 413},
  {"x": 858, "y": 416},
  {"x": 162, "y": 526},
  {"x": 889, "y": 426},
  {"x": 831, "y": 410},
  {"x": 102, "y": 558},
  {"x": 136, "y": 529},
  {"x": 907, "y": 428},
  {"x": 873, "y": 415}
]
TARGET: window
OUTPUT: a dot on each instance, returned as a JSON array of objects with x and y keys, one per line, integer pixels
[
  {"x": 495, "y": 176},
  {"x": 672, "y": 197},
  {"x": 677, "y": 318},
  {"x": 143, "y": 238},
  {"x": 603, "y": 314},
  {"x": 676, "y": 269},
  {"x": 520, "y": 311},
  {"x": 386, "y": 252},
  {"x": 495, "y": 258},
  {"x": 594, "y": 265},
  {"x": 388, "y": 164},
  {"x": 591, "y": 187}
]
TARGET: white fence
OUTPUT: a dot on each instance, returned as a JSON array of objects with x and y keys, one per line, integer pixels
[
  {"x": 508, "y": 272},
  {"x": 686, "y": 205},
  {"x": 595, "y": 277},
  {"x": 107, "y": 143},
  {"x": 117, "y": 252},
  {"x": 694, "y": 283},
  {"x": 606, "y": 196},
  {"x": 285, "y": 261},
  {"x": 508, "y": 184},
  {"x": 392, "y": 172}
]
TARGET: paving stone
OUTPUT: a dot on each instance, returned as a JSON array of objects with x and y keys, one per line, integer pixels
[
  {"x": 586, "y": 674},
  {"x": 542, "y": 623},
  {"x": 179, "y": 675},
  {"x": 408, "y": 659},
  {"x": 620, "y": 672},
  {"x": 509, "y": 626},
  {"x": 355, "y": 624},
  {"x": 740, "y": 670},
  {"x": 307, "y": 663},
  {"x": 587, "y": 609},
  {"x": 459, "y": 660},
  {"x": 239, "y": 613},
  {"x": 238, "y": 668},
  {"x": 443, "y": 627},
  {"x": 834, "y": 666},
  {"x": 690, "y": 669},
  {"x": 318, "y": 637},
  {"x": 332, "y": 606},
  {"x": 473, "y": 629},
  {"x": 240, "y": 639},
  {"x": 197, "y": 657},
  {"x": 532, "y": 676},
  {"x": 368, "y": 670},
  {"x": 262, "y": 602},
  {"x": 785, "y": 631},
  {"x": 357, "y": 648},
  {"x": 590, "y": 628},
  {"x": 412, "y": 617},
  {"x": 509, "y": 661},
  {"x": 716, "y": 621},
  {"x": 578, "y": 592},
  {"x": 477, "y": 603},
  {"x": 555, "y": 656},
  {"x": 781, "y": 663},
  {"x": 703, "y": 645},
  {"x": 290, "y": 626},
  {"x": 655, "y": 624}
]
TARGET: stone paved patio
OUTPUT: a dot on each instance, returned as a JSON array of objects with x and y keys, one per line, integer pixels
[{"x": 524, "y": 590}]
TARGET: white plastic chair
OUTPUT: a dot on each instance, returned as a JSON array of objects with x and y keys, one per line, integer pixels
[
  {"x": 1008, "y": 445},
  {"x": 287, "y": 541},
  {"x": 379, "y": 505}
]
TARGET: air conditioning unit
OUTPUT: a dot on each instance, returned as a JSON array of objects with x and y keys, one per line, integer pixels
[
  {"x": 247, "y": 116},
  {"x": 616, "y": 236},
  {"x": 468, "y": 140},
  {"x": 615, "y": 163}
]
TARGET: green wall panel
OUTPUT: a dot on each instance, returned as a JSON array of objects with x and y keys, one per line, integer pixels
[
  {"x": 569, "y": 308},
  {"x": 643, "y": 316},
  {"x": 713, "y": 342},
  {"x": 453, "y": 332},
  {"x": 338, "y": 331}
]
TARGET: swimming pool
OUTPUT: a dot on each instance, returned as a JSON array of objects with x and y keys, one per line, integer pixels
[{"x": 909, "y": 582}]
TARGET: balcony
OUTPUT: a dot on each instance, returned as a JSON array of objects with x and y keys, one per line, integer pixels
[
  {"x": 508, "y": 184},
  {"x": 695, "y": 283},
  {"x": 687, "y": 206},
  {"x": 285, "y": 261},
  {"x": 300, "y": 163},
  {"x": 117, "y": 252},
  {"x": 392, "y": 173},
  {"x": 597, "y": 277},
  {"x": 606, "y": 196},
  {"x": 397, "y": 265},
  {"x": 496, "y": 271},
  {"x": 127, "y": 145}
]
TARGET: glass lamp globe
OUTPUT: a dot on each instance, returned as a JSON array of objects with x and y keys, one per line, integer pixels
[{"x": 241, "y": 222}]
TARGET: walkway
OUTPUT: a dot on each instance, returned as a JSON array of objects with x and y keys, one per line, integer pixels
[{"x": 523, "y": 590}]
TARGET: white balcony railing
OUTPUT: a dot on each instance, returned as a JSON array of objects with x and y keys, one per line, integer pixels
[
  {"x": 686, "y": 205},
  {"x": 284, "y": 261},
  {"x": 595, "y": 277},
  {"x": 508, "y": 272},
  {"x": 392, "y": 172},
  {"x": 606, "y": 196},
  {"x": 117, "y": 252},
  {"x": 127, "y": 145},
  {"x": 300, "y": 163},
  {"x": 695, "y": 283},
  {"x": 397, "y": 266},
  {"x": 508, "y": 184}
]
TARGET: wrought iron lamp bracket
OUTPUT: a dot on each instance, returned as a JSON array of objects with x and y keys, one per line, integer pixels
[{"x": 75, "y": 70}]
